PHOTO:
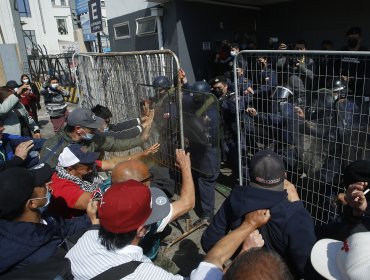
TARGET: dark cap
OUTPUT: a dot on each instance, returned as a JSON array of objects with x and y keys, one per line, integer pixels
[
  {"x": 216, "y": 80},
  {"x": 267, "y": 171},
  {"x": 355, "y": 30},
  {"x": 357, "y": 171},
  {"x": 17, "y": 185},
  {"x": 84, "y": 117},
  {"x": 12, "y": 84},
  {"x": 41, "y": 174},
  {"x": 73, "y": 154}
]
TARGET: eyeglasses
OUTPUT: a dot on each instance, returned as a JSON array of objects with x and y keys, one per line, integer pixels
[{"x": 147, "y": 179}]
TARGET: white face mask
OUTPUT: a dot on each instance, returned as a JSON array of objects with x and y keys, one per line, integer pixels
[
  {"x": 25, "y": 81},
  {"x": 54, "y": 85},
  {"x": 233, "y": 53},
  {"x": 16, "y": 89}
]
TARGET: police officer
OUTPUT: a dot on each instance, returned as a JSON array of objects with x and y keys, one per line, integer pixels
[
  {"x": 286, "y": 119},
  {"x": 201, "y": 130},
  {"x": 162, "y": 100}
]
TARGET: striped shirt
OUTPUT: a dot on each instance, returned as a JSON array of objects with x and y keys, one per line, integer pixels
[{"x": 89, "y": 258}]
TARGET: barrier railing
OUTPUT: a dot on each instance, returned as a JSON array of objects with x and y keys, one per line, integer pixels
[{"x": 312, "y": 108}]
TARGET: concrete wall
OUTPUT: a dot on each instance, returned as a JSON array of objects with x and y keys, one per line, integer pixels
[
  {"x": 313, "y": 21},
  {"x": 11, "y": 64},
  {"x": 117, "y": 8}
]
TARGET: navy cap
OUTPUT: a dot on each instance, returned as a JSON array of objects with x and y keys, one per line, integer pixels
[{"x": 73, "y": 154}]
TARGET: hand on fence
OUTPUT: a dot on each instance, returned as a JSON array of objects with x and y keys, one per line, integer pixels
[
  {"x": 291, "y": 190},
  {"x": 182, "y": 159},
  {"x": 251, "y": 111},
  {"x": 151, "y": 150}
]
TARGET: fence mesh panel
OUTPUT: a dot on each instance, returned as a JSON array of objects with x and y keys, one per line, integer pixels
[
  {"x": 122, "y": 81},
  {"x": 310, "y": 107}
]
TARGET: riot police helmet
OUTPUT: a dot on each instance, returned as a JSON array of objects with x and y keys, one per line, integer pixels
[
  {"x": 281, "y": 93},
  {"x": 201, "y": 86},
  {"x": 338, "y": 85},
  {"x": 162, "y": 81}
]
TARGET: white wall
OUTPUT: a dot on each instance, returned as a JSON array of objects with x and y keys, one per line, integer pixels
[
  {"x": 6, "y": 24},
  {"x": 116, "y": 8}
]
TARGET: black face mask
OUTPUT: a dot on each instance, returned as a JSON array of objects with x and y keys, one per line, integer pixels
[
  {"x": 217, "y": 91},
  {"x": 352, "y": 42}
]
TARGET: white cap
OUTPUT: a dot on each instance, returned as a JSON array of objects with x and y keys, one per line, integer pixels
[
  {"x": 67, "y": 158},
  {"x": 350, "y": 259}
]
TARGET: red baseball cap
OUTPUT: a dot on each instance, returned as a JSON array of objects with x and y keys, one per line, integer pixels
[{"x": 128, "y": 205}]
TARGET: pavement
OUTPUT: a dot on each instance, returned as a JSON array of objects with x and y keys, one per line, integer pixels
[{"x": 187, "y": 253}]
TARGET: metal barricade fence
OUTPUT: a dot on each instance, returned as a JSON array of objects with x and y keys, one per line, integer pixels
[
  {"x": 312, "y": 108},
  {"x": 123, "y": 81}
]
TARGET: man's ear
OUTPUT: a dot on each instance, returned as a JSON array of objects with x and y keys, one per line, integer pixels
[
  {"x": 78, "y": 129},
  {"x": 141, "y": 231},
  {"x": 31, "y": 204}
]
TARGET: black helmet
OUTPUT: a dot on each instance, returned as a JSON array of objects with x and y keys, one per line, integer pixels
[
  {"x": 12, "y": 84},
  {"x": 201, "y": 86},
  {"x": 338, "y": 85},
  {"x": 281, "y": 93},
  {"x": 162, "y": 81}
]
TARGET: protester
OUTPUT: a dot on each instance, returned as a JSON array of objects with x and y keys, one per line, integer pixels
[
  {"x": 81, "y": 128},
  {"x": 76, "y": 178},
  {"x": 137, "y": 170},
  {"x": 55, "y": 104},
  {"x": 13, "y": 114},
  {"x": 30, "y": 98},
  {"x": 18, "y": 151},
  {"x": 290, "y": 232},
  {"x": 342, "y": 260},
  {"x": 26, "y": 238}
]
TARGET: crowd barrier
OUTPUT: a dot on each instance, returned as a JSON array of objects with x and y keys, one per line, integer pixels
[{"x": 312, "y": 108}]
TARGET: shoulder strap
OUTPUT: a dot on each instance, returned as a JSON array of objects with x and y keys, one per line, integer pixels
[
  {"x": 52, "y": 151},
  {"x": 118, "y": 272}
]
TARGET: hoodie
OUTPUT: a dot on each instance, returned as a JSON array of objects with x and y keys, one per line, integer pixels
[
  {"x": 25, "y": 243},
  {"x": 290, "y": 231}
]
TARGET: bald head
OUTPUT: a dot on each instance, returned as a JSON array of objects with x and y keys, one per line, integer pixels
[{"x": 131, "y": 169}]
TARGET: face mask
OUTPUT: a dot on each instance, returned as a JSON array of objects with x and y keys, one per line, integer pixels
[
  {"x": 25, "y": 81},
  {"x": 352, "y": 42},
  {"x": 217, "y": 91},
  {"x": 47, "y": 197},
  {"x": 87, "y": 136},
  {"x": 16, "y": 89},
  {"x": 106, "y": 129},
  {"x": 233, "y": 53},
  {"x": 54, "y": 86}
]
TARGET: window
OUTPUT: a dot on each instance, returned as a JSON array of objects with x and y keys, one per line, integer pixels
[
  {"x": 62, "y": 26},
  {"x": 23, "y": 8},
  {"x": 146, "y": 26},
  {"x": 63, "y": 2},
  {"x": 30, "y": 41},
  {"x": 102, "y": 3},
  {"x": 53, "y": 2},
  {"x": 121, "y": 30}
]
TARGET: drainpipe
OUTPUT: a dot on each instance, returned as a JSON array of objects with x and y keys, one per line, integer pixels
[{"x": 157, "y": 12}]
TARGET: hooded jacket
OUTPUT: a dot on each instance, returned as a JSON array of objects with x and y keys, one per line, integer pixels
[
  {"x": 25, "y": 243},
  {"x": 290, "y": 231}
]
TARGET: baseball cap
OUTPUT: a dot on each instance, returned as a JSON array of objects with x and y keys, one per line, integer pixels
[
  {"x": 41, "y": 174},
  {"x": 17, "y": 185},
  {"x": 355, "y": 30},
  {"x": 128, "y": 205},
  {"x": 12, "y": 84},
  {"x": 84, "y": 117},
  {"x": 357, "y": 171},
  {"x": 267, "y": 171},
  {"x": 350, "y": 259},
  {"x": 73, "y": 154}
]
